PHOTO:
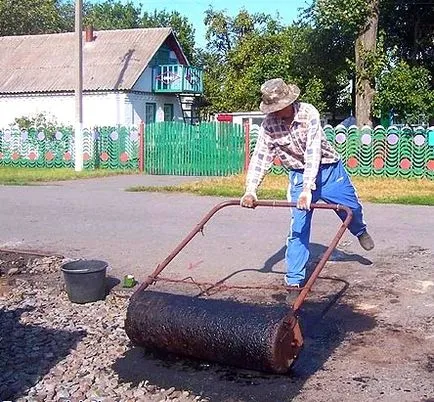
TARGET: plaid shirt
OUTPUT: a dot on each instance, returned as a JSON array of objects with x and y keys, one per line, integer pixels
[{"x": 302, "y": 145}]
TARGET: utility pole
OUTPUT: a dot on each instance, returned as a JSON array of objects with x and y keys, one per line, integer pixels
[{"x": 79, "y": 87}]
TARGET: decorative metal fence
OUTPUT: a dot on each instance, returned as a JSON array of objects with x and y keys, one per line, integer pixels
[
  {"x": 115, "y": 148},
  {"x": 103, "y": 147},
  {"x": 36, "y": 148},
  {"x": 377, "y": 152},
  {"x": 387, "y": 153},
  {"x": 211, "y": 149}
]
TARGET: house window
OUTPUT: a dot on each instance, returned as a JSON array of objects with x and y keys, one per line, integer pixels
[
  {"x": 168, "y": 112},
  {"x": 164, "y": 56},
  {"x": 150, "y": 112},
  {"x": 172, "y": 58}
]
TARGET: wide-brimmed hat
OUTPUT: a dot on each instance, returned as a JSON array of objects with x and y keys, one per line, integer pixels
[{"x": 277, "y": 95}]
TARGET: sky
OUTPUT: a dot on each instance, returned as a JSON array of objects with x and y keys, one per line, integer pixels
[{"x": 195, "y": 9}]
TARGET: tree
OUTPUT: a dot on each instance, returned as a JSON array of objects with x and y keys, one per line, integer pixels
[
  {"x": 409, "y": 30},
  {"x": 406, "y": 91},
  {"x": 357, "y": 19},
  {"x": 181, "y": 26},
  {"x": 234, "y": 66},
  {"x": 255, "y": 59},
  {"x": 365, "y": 53},
  {"x": 66, "y": 12},
  {"x": 322, "y": 62},
  {"x": 29, "y": 17},
  {"x": 112, "y": 14},
  {"x": 225, "y": 32},
  {"x": 246, "y": 50}
]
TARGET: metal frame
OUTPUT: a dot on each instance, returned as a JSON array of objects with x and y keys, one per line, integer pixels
[{"x": 152, "y": 278}]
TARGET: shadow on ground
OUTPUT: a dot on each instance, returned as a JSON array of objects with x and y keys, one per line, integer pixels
[
  {"x": 111, "y": 282},
  {"x": 28, "y": 352},
  {"x": 316, "y": 251},
  {"x": 326, "y": 323}
]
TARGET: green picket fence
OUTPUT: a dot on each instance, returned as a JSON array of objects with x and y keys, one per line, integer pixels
[{"x": 210, "y": 149}]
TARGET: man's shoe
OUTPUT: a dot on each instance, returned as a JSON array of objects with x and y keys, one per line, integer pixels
[
  {"x": 292, "y": 286},
  {"x": 366, "y": 241},
  {"x": 293, "y": 292}
]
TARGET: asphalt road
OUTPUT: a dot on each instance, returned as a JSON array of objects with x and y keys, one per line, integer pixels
[{"x": 133, "y": 232}]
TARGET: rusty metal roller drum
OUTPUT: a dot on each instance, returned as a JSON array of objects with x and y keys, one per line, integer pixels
[{"x": 250, "y": 336}]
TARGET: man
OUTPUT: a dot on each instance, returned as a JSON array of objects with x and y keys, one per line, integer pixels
[{"x": 292, "y": 132}]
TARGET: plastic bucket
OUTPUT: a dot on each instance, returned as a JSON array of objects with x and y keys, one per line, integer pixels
[{"x": 85, "y": 280}]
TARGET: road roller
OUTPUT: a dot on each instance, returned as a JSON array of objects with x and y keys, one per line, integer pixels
[{"x": 248, "y": 335}]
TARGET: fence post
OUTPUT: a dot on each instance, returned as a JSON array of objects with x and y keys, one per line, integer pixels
[
  {"x": 141, "y": 147},
  {"x": 247, "y": 145}
]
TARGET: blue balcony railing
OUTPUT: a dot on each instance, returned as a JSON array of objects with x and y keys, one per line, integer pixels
[{"x": 177, "y": 78}]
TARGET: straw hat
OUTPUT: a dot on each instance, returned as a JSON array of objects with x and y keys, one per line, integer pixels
[{"x": 276, "y": 95}]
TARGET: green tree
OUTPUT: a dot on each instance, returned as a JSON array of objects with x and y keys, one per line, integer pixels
[
  {"x": 246, "y": 50},
  {"x": 180, "y": 24},
  {"x": 112, "y": 14},
  {"x": 225, "y": 32},
  {"x": 409, "y": 29},
  {"x": 406, "y": 91},
  {"x": 358, "y": 20},
  {"x": 66, "y": 12},
  {"x": 29, "y": 17},
  {"x": 234, "y": 69},
  {"x": 321, "y": 63}
]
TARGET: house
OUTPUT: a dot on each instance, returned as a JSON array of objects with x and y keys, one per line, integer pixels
[{"x": 128, "y": 76}]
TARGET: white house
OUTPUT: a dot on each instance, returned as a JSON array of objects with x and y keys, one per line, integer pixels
[{"x": 128, "y": 76}]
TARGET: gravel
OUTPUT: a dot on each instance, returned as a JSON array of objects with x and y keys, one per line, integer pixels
[
  {"x": 55, "y": 350},
  {"x": 367, "y": 326}
]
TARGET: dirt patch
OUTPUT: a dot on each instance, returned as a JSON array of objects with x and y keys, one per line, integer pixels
[
  {"x": 20, "y": 265},
  {"x": 17, "y": 266},
  {"x": 20, "y": 262}
]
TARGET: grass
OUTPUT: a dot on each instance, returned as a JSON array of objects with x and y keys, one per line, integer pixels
[
  {"x": 28, "y": 176},
  {"x": 378, "y": 190}
]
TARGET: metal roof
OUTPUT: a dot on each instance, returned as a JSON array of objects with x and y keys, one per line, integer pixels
[{"x": 114, "y": 60}]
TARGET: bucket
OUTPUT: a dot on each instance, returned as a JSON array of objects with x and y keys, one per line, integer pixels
[{"x": 85, "y": 280}]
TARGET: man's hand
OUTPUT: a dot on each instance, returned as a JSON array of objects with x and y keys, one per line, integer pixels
[
  {"x": 248, "y": 200},
  {"x": 304, "y": 200}
]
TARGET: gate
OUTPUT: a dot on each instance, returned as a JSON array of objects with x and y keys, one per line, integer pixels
[{"x": 206, "y": 149}]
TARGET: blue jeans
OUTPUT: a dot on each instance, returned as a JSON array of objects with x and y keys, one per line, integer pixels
[{"x": 333, "y": 186}]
